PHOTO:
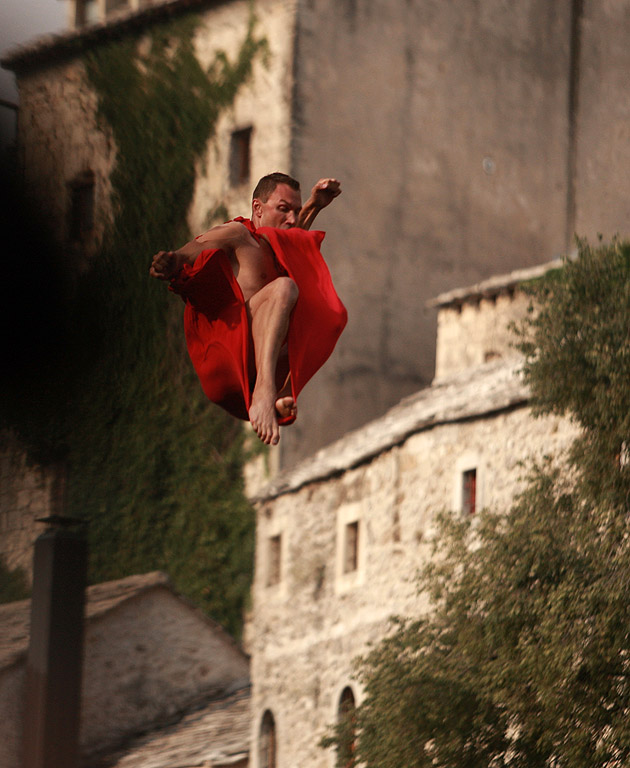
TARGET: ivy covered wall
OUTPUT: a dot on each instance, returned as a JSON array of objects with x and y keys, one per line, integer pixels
[{"x": 100, "y": 380}]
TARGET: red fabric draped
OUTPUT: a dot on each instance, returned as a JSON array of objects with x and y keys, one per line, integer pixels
[{"x": 216, "y": 326}]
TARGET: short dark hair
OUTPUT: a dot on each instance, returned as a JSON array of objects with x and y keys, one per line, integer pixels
[{"x": 268, "y": 183}]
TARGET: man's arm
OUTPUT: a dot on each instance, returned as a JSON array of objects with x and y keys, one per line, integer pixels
[
  {"x": 166, "y": 264},
  {"x": 322, "y": 194}
]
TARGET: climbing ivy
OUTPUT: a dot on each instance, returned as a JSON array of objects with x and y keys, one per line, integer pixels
[{"x": 154, "y": 466}]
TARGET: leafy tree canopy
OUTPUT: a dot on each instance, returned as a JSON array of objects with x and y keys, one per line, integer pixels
[{"x": 524, "y": 659}]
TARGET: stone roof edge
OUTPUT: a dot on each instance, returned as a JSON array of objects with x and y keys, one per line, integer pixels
[
  {"x": 47, "y": 48},
  {"x": 156, "y": 579},
  {"x": 493, "y": 286},
  {"x": 490, "y": 388},
  {"x": 147, "y": 582}
]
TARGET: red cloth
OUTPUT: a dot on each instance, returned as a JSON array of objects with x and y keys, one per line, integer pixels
[{"x": 216, "y": 326}]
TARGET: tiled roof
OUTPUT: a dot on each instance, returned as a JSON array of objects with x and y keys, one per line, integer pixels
[
  {"x": 15, "y": 617},
  {"x": 493, "y": 286},
  {"x": 490, "y": 388},
  {"x": 216, "y": 734}
]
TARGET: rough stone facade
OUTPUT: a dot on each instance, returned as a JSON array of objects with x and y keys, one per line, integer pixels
[
  {"x": 475, "y": 324},
  {"x": 27, "y": 492},
  {"x": 60, "y": 141},
  {"x": 341, "y": 536}
]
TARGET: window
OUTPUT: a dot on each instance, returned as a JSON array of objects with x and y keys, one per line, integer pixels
[
  {"x": 81, "y": 207},
  {"x": 351, "y": 547},
  {"x": 469, "y": 491},
  {"x": 85, "y": 12},
  {"x": 351, "y": 538},
  {"x": 267, "y": 743},
  {"x": 346, "y": 719},
  {"x": 240, "y": 152},
  {"x": 273, "y": 566}
]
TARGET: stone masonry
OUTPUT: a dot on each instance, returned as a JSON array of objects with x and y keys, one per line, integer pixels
[
  {"x": 314, "y": 610},
  {"x": 27, "y": 492}
]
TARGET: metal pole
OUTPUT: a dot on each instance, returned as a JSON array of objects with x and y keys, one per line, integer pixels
[{"x": 54, "y": 662}]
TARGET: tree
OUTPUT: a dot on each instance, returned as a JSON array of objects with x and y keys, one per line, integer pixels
[{"x": 524, "y": 659}]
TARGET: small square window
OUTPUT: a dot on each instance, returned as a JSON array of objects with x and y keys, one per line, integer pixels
[
  {"x": 81, "y": 207},
  {"x": 469, "y": 491},
  {"x": 273, "y": 571},
  {"x": 351, "y": 548},
  {"x": 240, "y": 153}
]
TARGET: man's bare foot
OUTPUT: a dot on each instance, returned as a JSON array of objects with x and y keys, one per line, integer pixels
[
  {"x": 286, "y": 407},
  {"x": 166, "y": 264},
  {"x": 264, "y": 417}
]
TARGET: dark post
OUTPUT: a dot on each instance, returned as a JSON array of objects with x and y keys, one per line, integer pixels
[{"x": 53, "y": 667}]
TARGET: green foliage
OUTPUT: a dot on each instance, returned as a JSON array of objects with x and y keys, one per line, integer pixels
[
  {"x": 577, "y": 349},
  {"x": 13, "y": 584},
  {"x": 524, "y": 659},
  {"x": 154, "y": 466}
]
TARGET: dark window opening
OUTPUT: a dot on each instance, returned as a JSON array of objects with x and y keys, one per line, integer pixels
[
  {"x": 351, "y": 549},
  {"x": 82, "y": 207},
  {"x": 273, "y": 575},
  {"x": 469, "y": 492},
  {"x": 240, "y": 153},
  {"x": 86, "y": 12},
  {"x": 346, "y": 716},
  {"x": 267, "y": 746}
]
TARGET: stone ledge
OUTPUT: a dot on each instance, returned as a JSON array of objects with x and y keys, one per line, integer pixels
[
  {"x": 487, "y": 289},
  {"x": 488, "y": 389}
]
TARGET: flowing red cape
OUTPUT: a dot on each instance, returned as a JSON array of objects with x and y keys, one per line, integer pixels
[{"x": 216, "y": 325}]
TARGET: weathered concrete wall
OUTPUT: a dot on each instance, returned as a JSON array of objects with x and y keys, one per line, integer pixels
[
  {"x": 471, "y": 139},
  {"x": 307, "y": 628},
  {"x": 447, "y": 124},
  {"x": 602, "y": 122}
]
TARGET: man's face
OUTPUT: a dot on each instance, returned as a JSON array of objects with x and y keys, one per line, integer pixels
[{"x": 281, "y": 209}]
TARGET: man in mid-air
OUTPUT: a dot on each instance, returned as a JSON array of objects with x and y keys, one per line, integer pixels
[{"x": 261, "y": 314}]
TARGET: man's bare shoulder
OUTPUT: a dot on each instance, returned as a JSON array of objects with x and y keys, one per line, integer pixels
[{"x": 231, "y": 234}]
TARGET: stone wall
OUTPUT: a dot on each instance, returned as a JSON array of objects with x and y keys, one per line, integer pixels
[
  {"x": 146, "y": 662},
  {"x": 60, "y": 140},
  {"x": 308, "y": 626},
  {"x": 27, "y": 492},
  {"x": 475, "y": 324},
  {"x": 148, "y": 657},
  {"x": 264, "y": 104}
]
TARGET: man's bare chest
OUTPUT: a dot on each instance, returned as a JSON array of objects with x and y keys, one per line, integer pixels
[{"x": 255, "y": 266}]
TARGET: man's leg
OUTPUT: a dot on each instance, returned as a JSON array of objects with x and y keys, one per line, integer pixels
[{"x": 269, "y": 311}]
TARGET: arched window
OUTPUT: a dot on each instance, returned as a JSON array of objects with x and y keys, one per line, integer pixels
[
  {"x": 267, "y": 742},
  {"x": 346, "y": 719}
]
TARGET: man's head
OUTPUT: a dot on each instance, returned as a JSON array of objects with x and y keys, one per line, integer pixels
[{"x": 276, "y": 201}]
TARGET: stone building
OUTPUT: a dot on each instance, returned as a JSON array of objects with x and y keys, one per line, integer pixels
[
  {"x": 156, "y": 672},
  {"x": 341, "y": 536},
  {"x": 471, "y": 139}
]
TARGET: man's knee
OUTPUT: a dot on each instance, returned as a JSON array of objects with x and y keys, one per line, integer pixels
[{"x": 285, "y": 290}]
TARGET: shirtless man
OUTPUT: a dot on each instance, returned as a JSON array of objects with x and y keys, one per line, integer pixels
[{"x": 269, "y": 294}]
